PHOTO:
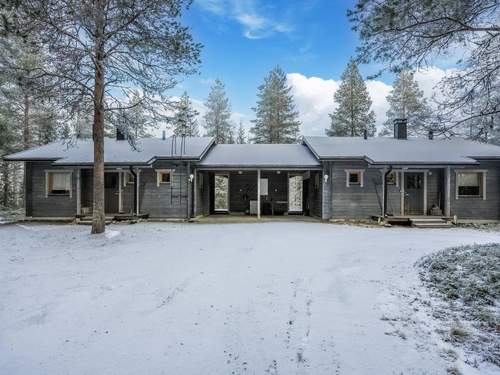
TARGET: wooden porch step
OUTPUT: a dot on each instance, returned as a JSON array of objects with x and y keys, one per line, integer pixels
[
  {"x": 89, "y": 222},
  {"x": 430, "y": 222}
]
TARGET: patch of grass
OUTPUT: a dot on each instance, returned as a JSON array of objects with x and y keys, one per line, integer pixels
[
  {"x": 458, "y": 333},
  {"x": 466, "y": 283}
]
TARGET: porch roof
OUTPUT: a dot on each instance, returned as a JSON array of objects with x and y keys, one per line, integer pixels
[
  {"x": 260, "y": 155},
  {"x": 118, "y": 152},
  {"x": 385, "y": 150}
]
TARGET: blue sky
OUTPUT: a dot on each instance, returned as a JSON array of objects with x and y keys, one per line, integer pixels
[{"x": 311, "y": 40}]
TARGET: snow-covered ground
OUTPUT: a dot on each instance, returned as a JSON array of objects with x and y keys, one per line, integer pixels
[{"x": 270, "y": 298}]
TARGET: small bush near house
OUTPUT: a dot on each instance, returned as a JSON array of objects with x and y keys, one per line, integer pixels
[{"x": 466, "y": 283}]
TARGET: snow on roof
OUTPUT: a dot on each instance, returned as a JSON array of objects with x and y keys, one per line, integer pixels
[
  {"x": 385, "y": 150},
  {"x": 118, "y": 152},
  {"x": 260, "y": 155}
]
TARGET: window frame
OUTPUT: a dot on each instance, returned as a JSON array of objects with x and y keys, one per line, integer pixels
[
  {"x": 482, "y": 186},
  {"x": 50, "y": 172},
  {"x": 359, "y": 172},
  {"x": 159, "y": 173}
]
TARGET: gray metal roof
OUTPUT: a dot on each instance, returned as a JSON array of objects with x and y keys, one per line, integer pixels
[
  {"x": 118, "y": 152},
  {"x": 385, "y": 150},
  {"x": 260, "y": 155}
]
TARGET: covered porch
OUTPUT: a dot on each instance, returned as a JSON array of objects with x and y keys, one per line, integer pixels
[
  {"x": 261, "y": 192},
  {"x": 416, "y": 195}
]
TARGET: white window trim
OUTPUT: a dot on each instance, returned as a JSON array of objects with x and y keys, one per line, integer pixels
[
  {"x": 158, "y": 176},
  {"x": 360, "y": 171},
  {"x": 47, "y": 171},
  {"x": 482, "y": 171}
]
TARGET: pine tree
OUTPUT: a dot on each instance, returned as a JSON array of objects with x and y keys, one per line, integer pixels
[
  {"x": 185, "y": 118},
  {"x": 241, "y": 138},
  {"x": 353, "y": 115},
  {"x": 276, "y": 119},
  {"x": 407, "y": 101},
  {"x": 217, "y": 118}
]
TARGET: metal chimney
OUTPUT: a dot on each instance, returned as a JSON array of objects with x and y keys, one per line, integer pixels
[
  {"x": 163, "y": 135},
  {"x": 400, "y": 128},
  {"x": 365, "y": 134},
  {"x": 431, "y": 134}
]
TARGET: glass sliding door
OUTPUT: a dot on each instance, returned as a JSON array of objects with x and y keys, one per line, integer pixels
[
  {"x": 221, "y": 193},
  {"x": 295, "y": 193}
]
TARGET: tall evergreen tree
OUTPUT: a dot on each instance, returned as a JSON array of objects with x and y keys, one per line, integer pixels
[
  {"x": 276, "y": 119},
  {"x": 353, "y": 115},
  {"x": 241, "y": 137},
  {"x": 99, "y": 49},
  {"x": 217, "y": 117},
  {"x": 406, "y": 100},
  {"x": 185, "y": 117}
]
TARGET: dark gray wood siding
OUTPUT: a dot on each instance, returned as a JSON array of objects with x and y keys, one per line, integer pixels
[
  {"x": 477, "y": 208},
  {"x": 360, "y": 202},
  {"x": 166, "y": 200},
  {"x": 63, "y": 206}
]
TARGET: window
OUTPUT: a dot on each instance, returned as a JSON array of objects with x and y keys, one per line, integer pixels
[
  {"x": 470, "y": 184},
  {"x": 354, "y": 178},
  {"x": 58, "y": 183},
  {"x": 163, "y": 176},
  {"x": 129, "y": 178},
  {"x": 392, "y": 179}
]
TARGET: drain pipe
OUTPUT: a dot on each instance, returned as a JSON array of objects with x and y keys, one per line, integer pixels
[
  {"x": 135, "y": 188},
  {"x": 384, "y": 208}
]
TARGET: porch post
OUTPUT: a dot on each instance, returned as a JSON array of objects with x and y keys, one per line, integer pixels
[
  {"x": 425, "y": 192},
  {"x": 189, "y": 189},
  {"x": 78, "y": 192},
  {"x": 195, "y": 192},
  {"x": 402, "y": 193},
  {"x": 120, "y": 182},
  {"x": 447, "y": 192},
  {"x": 137, "y": 191},
  {"x": 384, "y": 171},
  {"x": 258, "y": 193}
]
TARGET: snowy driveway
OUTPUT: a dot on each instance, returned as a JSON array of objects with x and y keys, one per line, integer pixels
[{"x": 277, "y": 298}]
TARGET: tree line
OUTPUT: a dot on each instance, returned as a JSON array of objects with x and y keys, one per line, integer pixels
[{"x": 84, "y": 69}]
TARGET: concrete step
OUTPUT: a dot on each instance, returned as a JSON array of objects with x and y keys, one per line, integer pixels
[
  {"x": 432, "y": 225},
  {"x": 430, "y": 222}
]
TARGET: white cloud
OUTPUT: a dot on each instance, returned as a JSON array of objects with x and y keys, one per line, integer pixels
[
  {"x": 249, "y": 14},
  {"x": 314, "y": 97}
]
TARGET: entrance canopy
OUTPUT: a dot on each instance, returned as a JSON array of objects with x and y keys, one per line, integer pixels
[{"x": 260, "y": 156}]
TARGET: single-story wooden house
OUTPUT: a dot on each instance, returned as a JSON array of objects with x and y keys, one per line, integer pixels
[{"x": 325, "y": 177}]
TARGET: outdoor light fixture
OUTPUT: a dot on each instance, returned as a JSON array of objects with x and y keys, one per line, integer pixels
[
  {"x": 191, "y": 177},
  {"x": 325, "y": 178},
  {"x": 240, "y": 172},
  {"x": 278, "y": 172}
]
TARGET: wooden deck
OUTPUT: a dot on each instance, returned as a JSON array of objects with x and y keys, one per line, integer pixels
[{"x": 418, "y": 221}]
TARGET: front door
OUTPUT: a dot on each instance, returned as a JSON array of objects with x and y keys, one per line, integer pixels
[
  {"x": 111, "y": 192},
  {"x": 221, "y": 193},
  {"x": 414, "y": 193}
]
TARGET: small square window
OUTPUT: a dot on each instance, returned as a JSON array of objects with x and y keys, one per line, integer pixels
[
  {"x": 354, "y": 178},
  {"x": 163, "y": 177},
  {"x": 392, "y": 178}
]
